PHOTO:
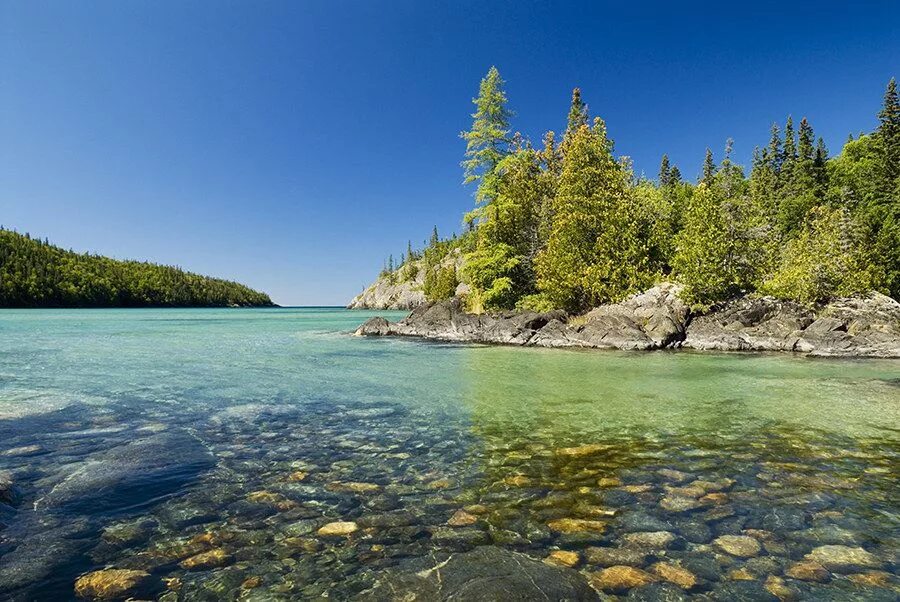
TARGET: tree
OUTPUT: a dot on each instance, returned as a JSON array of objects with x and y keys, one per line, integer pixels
[
  {"x": 889, "y": 139},
  {"x": 824, "y": 261},
  {"x": 589, "y": 257},
  {"x": 665, "y": 172},
  {"x": 578, "y": 113},
  {"x": 723, "y": 247},
  {"x": 488, "y": 139},
  {"x": 709, "y": 168}
]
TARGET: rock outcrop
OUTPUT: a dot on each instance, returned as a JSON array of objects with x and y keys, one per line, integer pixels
[
  {"x": 486, "y": 573},
  {"x": 857, "y": 327},
  {"x": 658, "y": 319},
  {"x": 404, "y": 287}
]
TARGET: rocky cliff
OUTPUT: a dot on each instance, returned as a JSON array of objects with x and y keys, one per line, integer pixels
[
  {"x": 658, "y": 319},
  {"x": 404, "y": 287}
]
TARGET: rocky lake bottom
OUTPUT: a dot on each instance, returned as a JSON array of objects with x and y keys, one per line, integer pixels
[{"x": 268, "y": 455}]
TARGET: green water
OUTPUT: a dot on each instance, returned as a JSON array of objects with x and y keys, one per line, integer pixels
[{"x": 432, "y": 428}]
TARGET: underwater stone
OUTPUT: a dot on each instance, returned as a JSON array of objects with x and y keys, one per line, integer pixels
[
  {"x": 738, "y": 545},
  {"x": 111, "y": 584},
  {"x": 619, "y": 579}
]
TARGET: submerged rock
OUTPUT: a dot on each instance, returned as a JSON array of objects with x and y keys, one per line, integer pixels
[
  {"x": 112, "y": 584},
  {"x": 844, "y": 559},
  {"x": 143, "y": 469},
  {"x": 485, "y": 574},
  {"x": 738, "y": 545},
  {"x": 620, "y": 579}
]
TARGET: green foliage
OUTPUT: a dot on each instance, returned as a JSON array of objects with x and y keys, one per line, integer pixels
[
  {"x": 594, "y": 252},
  {"x": 440, "y": 283},
  {"x": 536, "y": 302},
  {"x": 725, "y": 245},
  {"x": 567, "y": 226},
  {"x": 34, "y": 273},
  {"x": 495, "y": 275},
  {"x": 825, "y": 260},
  {"x": 487, "y": 140}
]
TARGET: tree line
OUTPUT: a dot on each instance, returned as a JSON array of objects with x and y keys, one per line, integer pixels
[
  {"x": 567, "y": 224},
  {"x": 34, "y": 273}
]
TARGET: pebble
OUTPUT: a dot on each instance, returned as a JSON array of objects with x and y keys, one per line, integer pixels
[
  {"x": 563, "y": 558},
  {"x": 338, "y": 529},
  {"x": 738, "y": 545},
  {"x": 111, "y": 584},
  {"x": 619, "y": 579},
  {"x": 808, "y": 570},
  {"x": 582, "y": 450},
  {"x": 649, "y": 539},
  {"x": 673, "y": 573},
  {"x": 844, "y": 559},
  {"x": 206, "y": 560},
  {"x": 461, "y": 518},
  {"x": 615, "y": 556},
  {"x": 677, "y": 503},
  {"x": 577, "y": 525}
]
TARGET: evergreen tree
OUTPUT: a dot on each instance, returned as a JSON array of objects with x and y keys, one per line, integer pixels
[
  {"x": 675, "y": 175},
  {"x": 709, "y": 168},
  {"x": 665, "y": 172},
  {"x": 889, "y": 138},
  {"x": 488, "y": 140},
  {"x": 589, "y": 256},
  {"x": 578, "y": 113}
]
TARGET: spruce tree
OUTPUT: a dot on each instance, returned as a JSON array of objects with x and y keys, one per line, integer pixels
[
  {"x": 709, "y": 168},
  {"x": 487, "y": 142},
  {"x": 675, "y": 175},
  {"x": 889, "y": 138},
  {"x": 578, "y": 113},
  {"x": 664, "y": 171}
]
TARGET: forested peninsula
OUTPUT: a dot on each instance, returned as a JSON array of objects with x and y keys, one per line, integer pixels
[
  {"x": 564, "y": 227},
  {"x": 35, "y": 273}
]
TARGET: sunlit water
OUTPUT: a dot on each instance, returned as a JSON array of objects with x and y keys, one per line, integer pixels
[{"x": 306, "y": 425}]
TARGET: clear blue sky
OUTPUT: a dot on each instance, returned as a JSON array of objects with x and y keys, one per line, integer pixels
[{"x": 293, "y": 145}]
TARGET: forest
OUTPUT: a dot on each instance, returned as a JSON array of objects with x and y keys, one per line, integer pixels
[
  {"x": 567, "y": 224},
  {"x": 34, "y": 273}
]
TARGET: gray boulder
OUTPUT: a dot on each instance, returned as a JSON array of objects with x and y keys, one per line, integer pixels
[
  {"x": 658, "y": 318},
  {"x": 144, "y": 469},
  {"x": 486, "y": 574},
  {"x": 750, "y": 324}
]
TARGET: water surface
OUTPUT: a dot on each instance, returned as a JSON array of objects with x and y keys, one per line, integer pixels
[{"x": 297, "y": 425}]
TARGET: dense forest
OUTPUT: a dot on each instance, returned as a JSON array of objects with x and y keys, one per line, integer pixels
[
  {"x": 34, "y": 273},
  {"x": 567, "y": 224}
]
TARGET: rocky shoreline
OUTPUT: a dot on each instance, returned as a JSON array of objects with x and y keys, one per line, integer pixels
[{"x": 659, "y": 319}]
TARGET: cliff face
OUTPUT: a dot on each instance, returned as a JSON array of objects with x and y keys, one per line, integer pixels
[
  {"x": 658, "y": 319},
  {"x": 404, "y": 287},
  {"x": 388, "y": 292}
]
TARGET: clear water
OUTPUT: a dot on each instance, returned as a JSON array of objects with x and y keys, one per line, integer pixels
[{"x": 429, "y": 429}]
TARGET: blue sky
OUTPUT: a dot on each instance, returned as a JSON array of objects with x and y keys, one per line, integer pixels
[{"x": 293, "y": 145}]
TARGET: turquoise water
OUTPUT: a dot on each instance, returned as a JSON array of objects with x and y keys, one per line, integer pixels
[{"x": 427, "y": 429}]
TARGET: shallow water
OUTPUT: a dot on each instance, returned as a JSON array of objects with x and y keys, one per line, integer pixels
[{"x": 284, "y": 423}]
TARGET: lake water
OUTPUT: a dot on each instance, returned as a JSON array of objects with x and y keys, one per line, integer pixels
[{"x": 236, "y": 435}]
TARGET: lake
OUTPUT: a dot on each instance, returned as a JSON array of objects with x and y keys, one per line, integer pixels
[{"x": 265, "y": 454}]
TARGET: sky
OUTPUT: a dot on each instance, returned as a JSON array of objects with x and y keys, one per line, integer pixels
[{"x": 293, "y": 145}]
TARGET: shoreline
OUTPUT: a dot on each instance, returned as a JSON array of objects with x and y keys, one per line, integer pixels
[{"x": 657, "y": 319}]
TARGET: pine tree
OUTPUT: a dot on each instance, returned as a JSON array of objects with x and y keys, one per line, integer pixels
[
  {"x": 773, "y": 153},
  {"x": 487, "y": 142},
  {"x": 889, "y": 138},
  {"x": 665, "y": 173},
  {"x": 594, "y": 253},
  {"x": 578, "y": 113},
  {"x": 709, "y": 168},
  {"x": 675, "y": 175}
]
